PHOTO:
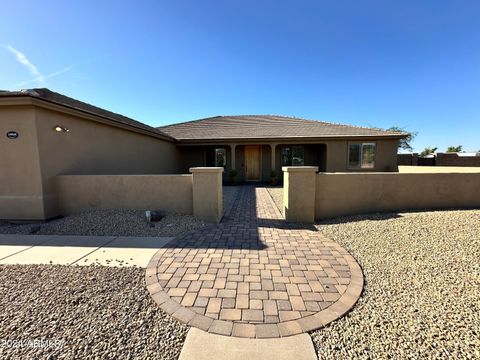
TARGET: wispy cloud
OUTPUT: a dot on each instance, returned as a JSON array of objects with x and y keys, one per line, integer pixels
[
  {"x": 22, "y": 59},
  {"x": 56, "y": 73}
]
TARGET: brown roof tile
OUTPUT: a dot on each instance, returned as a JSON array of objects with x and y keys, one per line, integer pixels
[
  {"x": 53, "y": 97},
  {"x": 267, "y": 127}
]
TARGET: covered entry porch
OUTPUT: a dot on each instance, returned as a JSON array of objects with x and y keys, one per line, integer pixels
[{"x": 253, "y": 162}]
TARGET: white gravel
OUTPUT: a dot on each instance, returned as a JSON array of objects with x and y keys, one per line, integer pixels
[
  {"x": 89, "y": 312},
  {"x": 108, "y": 223},
  {"x": 422, "y": 293}
]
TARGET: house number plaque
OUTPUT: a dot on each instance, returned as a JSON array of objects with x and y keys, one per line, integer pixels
[{"x": 12, "y": 135}]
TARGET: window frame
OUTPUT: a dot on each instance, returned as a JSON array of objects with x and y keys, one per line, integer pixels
[{"x": 361, "y": 165}]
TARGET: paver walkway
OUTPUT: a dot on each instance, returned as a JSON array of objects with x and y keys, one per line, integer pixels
[{"x": 254, "y": 275}]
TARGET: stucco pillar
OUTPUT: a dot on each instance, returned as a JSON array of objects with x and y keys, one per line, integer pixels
[
  {"x": 299, "y": 184},
  {"x": 207, "y": 193},
  {"x": 232, "y": 160},
  {"x": 273, "y": 147}
]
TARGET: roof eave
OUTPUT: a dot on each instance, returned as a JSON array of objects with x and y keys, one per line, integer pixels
[
  {"x": 34, "y": 100},
  {"x": 290, "y": 138}
]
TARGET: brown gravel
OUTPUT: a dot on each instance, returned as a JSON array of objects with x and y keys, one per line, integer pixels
[
  {"x": 115, "y": 223},
  {"x": 108, "y": 223},
  {"x": 92, "y": 312},
  {"x": 422, "y": 293}
]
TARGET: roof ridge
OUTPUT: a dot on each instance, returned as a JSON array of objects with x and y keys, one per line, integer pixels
[
  {"x": 190, "y": 121},
  {"x": 260, "y": 116},
  {"x": 325, "y": 122}
]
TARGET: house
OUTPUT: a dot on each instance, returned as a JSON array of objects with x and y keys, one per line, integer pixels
[
  {"x": 254, "y": 145},
  {"x": 44, "y": 134}
]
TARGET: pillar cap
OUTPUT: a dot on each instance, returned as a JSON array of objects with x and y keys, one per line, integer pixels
[
  {"x": 300, "y": 168},
  {"x": 206, "y": 169}
]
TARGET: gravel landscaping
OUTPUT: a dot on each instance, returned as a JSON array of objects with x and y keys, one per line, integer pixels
[
  {"x": 90, "y": 312},
  {"x": 116, "y": 222},
  {"x": 108, "y": 223},
  {"x": 422, "y": 293}
]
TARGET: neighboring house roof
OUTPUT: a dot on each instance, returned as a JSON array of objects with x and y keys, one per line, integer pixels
[
  {"x": 59, "y": 99},
  {"x": 267, "y": 127}
]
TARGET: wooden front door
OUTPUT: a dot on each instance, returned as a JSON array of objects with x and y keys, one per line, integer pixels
[{"x": 253, "y": 163}]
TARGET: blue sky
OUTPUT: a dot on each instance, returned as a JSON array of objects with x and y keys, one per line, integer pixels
[{"x": 414, "y": 64}]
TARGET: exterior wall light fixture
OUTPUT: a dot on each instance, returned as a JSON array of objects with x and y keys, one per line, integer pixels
[{"x": 59, "y": 128}]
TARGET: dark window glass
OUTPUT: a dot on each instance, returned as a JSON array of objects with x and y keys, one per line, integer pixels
[
  {"x": 354, "y": 155},
  {"x": 368, "y": 156},
  {"x": 293, "y": 156},
  {"x": 210, "y": 157},
  {"x": 361, "y": 155},
  {"x": 286, "y": 156},
  {"x": 220, "y": 157},
  {"x": 298, "y": 156},
  {"x": 216, "y": 157}
]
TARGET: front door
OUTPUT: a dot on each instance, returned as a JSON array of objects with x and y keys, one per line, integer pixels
[{"x": 253, "y": 163}]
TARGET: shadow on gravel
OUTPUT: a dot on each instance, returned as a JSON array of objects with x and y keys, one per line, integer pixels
[
  {"x": 362, "y": 217},
  {"x": 380, "y": 216}
]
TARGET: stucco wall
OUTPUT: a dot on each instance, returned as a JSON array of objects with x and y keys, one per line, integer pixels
[
  {"x": 332, "y": 155},
  {"x": 94, "y": 148},
  {"x": 190, "y": 156},
  {"x": 346, "y": 193},
  {"x": 171, "y": 193},
  {"x": 385, "y": 157},
  {"x": 21, "y": 194}
]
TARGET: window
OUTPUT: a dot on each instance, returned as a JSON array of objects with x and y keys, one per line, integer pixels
[
  {"x": 220, "y": 157},
  {"x": 293, "y": 156},
  {"x": 361, "y": 155},
  {"x": 216, "y": 157}
]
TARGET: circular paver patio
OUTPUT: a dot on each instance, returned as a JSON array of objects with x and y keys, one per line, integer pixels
[{"x": 255, "y": 278}]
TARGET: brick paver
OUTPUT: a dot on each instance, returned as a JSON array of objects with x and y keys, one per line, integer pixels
[{"x": 254, "y": 274}]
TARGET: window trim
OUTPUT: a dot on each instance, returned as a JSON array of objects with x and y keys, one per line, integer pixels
[{"x": 362, "y": 144}]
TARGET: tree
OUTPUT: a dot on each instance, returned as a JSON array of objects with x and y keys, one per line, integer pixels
[
  {"x": 404, "y": 143},
  {"x": 428, "y": 151},
  {"x": 454, "y": 148}
]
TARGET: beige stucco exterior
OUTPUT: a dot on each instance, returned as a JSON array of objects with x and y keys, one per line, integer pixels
[
  {"x": 94, "y": 145},
  {"x": 31, "y": 162},
  {"x": 94, "y": 148},
  {"x": 299, "y": 193},
  {"x": 169, "y": 193},
  {"x": 344, "y": 194},
  {"x": 308, "y": 196},
  {"x": 207, "y": 193},
  {"x": 21, "y": 192},
  {"x": 327, "y": 155}
]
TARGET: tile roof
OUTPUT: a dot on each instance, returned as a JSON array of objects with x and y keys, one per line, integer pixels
[
  {"x": 53, "y": 97},
  {"x": 267, "y": 127}
]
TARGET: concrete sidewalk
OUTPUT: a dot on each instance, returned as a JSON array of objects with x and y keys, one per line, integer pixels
[
  {"x": 79, "y": 250},
  {"x": 200, "y": 345}
]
